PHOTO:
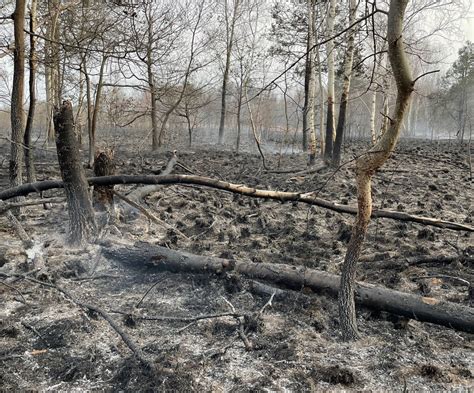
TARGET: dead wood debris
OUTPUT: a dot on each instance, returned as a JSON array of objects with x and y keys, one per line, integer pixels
[
  {"x": 124, "y": 336},
  {"x": 308, "y": 198}
]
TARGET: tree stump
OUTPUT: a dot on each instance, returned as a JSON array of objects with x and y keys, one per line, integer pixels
[
  {"x": 104, "y": 165},
  {"x": 82, "y": 225}
]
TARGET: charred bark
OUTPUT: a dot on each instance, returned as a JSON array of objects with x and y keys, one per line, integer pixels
[
  {"x": 32, "y": 61},
  {"x": 104, "y": 166},
  {"x": 17, "y": 123},
  {"x": 371, "y": 296},
  {"x": 82, "y": 225}
]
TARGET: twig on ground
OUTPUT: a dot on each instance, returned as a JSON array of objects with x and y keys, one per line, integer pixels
[
  {"x": 149, "y": 215},
  {"x": 458, "y": 279},
  {"x": 7, "y": 206},
  {"x": 126, "y": 339},
  {"x": 19, "y": 229},
  {"x": 229, "y": 304},
  {"x": 243, "y": 336},
  {"x": 185, "y": 168},
  {"x": 33, "y": 329},
  {"x": 15, "y": 289},
  {"x": 99, "y": 277},
  {"x": 148, "y": 291},
  {"x": 181, "y": 319},
  {"x": 267, "y": 304}
]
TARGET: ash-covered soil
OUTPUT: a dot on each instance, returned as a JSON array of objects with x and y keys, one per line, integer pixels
[{"x": 49, "y": 343}]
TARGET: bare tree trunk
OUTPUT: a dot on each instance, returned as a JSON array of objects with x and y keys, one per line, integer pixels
[
  {"x": 252, "y": 124},
  {"x": 159, "y": 259},
  {"x": 311, "y": 59},
  {"x": 29, "y": 159},
  {"x": 348, "y": 62},
  {"x": 307, "y": 73},
  {"x": 17, "y": 117},
  {"x": 330, "y": 98},
  {"x": 321, "y": 107},
  {"x": 239, "y": 116},
  {"x": 82, "y": 225},
  {"x": 52, "y": 64},
  {"x": 373, "y": 110},
  {"x": 95, "y": 113},
  {"x": 368, "y": 164},
  {"x": 186, "y": 78},
  {"x": 229, "y": 43}
]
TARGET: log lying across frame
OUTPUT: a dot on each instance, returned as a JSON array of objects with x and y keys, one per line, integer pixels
[
  {"x": 375, "y": 297},
  {"x": 281, "y": 196}
]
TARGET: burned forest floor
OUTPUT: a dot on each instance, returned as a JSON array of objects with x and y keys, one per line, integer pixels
[{"x": 48, "y": 342}]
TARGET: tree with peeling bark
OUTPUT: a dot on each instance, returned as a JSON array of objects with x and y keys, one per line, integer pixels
[
  {"x": 82, "y": 224},
  {"x": 369, "y": 163},
  {"x": 17, "y": 117}
]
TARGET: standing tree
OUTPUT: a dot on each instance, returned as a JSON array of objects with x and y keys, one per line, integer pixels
[
  {"x": 461, "y": 78},
  {"x": 82, "y": 225},
  {"x": 370, "y": 162},
  {"x": 17, "y": 117},
  {"x": 330, "y": 97},
  {"x": 310, "y": 81},
  {"x": 230, "y": 19},
  {"x": 29, "y": 159},
  {"x": 347, "y": 74}
]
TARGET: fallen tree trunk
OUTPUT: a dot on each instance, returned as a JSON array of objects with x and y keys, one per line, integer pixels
[
  {"x": 368, "y": 295},
  {"x": 242, "y": 189}
]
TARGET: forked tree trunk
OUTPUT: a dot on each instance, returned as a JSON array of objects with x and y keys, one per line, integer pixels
[
  {"x": 17, "y": 121},
  {"x": 368, "y": 164},
  {"x": 348, "y": 62},
  {"x": 82, "y": 225},
  {"x": 330, "y": 98},
  {"x": 29, "y": 159}
]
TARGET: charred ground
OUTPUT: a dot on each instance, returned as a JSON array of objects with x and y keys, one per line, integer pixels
[{"x": 49, "y": 342}]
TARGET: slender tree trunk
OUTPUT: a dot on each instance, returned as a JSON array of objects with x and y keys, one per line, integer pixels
[
  {"x": 348, "y": 62},
  {"x": 230, "y": 42},
  {"x": 17, "y": 117},
  {"x": 82, "y": 226},
  {"x": 368, "y": 164},
  {"x": 330, "y": 98},
  {"x": 190, "y": 127},
  {"x": 239, "y": 115},
  {"x": 307, "y": 74},
  {"x": 311, "y": 58},
  {"x": 322, "y": 137},
  {"x": 187, "y": 74},
  {"x": 52, "y": 64},
  {"x": 373, "y": 110},
  {"x": 95, "y": 113},
  {"x": 252, "y": 124},
  {"x": 29, "y": 159}
]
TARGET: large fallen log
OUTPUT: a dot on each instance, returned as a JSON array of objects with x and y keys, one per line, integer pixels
[
  {"x": 242, "y": 189},
  {"x": 424, "y": 309}
]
